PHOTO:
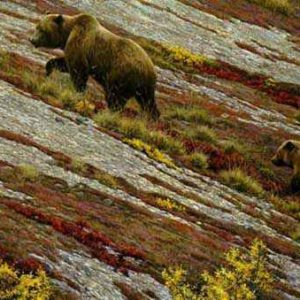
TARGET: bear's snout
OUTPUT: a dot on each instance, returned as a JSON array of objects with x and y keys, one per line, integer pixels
[{"x": 277, "y": 162}]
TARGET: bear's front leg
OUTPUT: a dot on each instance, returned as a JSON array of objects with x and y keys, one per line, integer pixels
[
  {"x": 295, "y": 183},
  {"x": 79, "y": 78},
  {"x": 56, "y": 64}
]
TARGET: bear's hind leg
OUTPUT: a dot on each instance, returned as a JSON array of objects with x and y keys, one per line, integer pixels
[
  {"x": 58, "y": 63},
  {"x": 146, "y": 99}
]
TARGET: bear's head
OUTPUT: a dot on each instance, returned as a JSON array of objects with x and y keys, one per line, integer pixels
[
  {"x": 285, "y": 154},
  {"x": 49, "y": 32}
]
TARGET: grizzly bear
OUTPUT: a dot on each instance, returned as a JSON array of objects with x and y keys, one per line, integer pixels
[
  {"x": 288, "y": 154},
  {"x": 119, "y": 64}
]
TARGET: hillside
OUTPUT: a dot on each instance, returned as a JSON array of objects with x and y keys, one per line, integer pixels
[{"x": 104, "y": 202}]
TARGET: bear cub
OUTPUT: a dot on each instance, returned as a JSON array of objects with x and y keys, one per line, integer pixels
[
  {"x": 288, "y": 154},
  {"x": 119, "y": 64}
]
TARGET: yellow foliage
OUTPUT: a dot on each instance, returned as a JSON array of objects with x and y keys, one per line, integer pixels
[
  {"x": 175, "y": 280},
  {"x": 152, "y": 152},
  {"x": 169, "y": 204},
  {"x": 24, "y": 287},
  {"x": 85, "y": 107},
  {"x": 244, "y": 278},
  {"x": 182, "y": 55}
]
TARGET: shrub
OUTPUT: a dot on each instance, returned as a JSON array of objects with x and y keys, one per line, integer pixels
[
  {"x": 150, "y": 151},
  {"x": 239, "y": 181},
  {"x": 169, "y": 205},
  {"x": 245, "y": 277},
  {"x": 282, "y": 6},
  {"x": 189, "y": 114},
  {"x": 23, "y": 287},
  {"x": 198, "y": 160}
]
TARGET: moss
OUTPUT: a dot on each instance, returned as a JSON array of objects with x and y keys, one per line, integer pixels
[
  {"x": 239, "y": 181},
  {"x": 198, "y": 160}
]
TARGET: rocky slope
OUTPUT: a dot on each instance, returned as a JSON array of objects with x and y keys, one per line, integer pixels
[{"x": 109, "y": 241}]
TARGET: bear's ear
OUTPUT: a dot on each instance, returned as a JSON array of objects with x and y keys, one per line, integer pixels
[
  {"x": 289, "y": 146},
  {"x": 59, "y": 20}
]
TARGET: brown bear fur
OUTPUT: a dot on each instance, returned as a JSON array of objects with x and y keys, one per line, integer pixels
[
  {"x": 120, "y": 65},
  {"x": 288, "y": 154}
]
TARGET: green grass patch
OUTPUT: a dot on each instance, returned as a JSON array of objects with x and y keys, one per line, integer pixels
[
  {"x": 288, "y": 206},
  {"x": 28, "y": 172},
  {"x": 239, "y": 181},
  {"x": 137, "y": 128},
  {"x": 4, "y": 59},
  {"x": 198, "y": 160},
  {"x": 106, "y": 179},
  {"x": 192, "y": 114},
  {"x": 282, "y": 6},
  {"x": 233, "y": 146},
  {"x": 59, "y": 88},
  {"x": 174, "y": 57},
  {"x": 202, "y": 133}
]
